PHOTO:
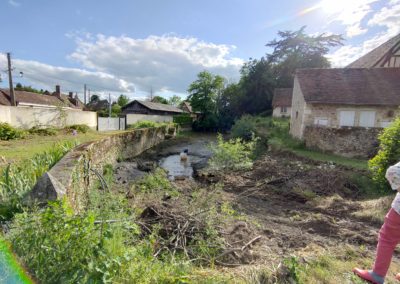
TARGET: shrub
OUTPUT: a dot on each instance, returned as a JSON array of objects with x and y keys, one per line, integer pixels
[
  {"x": 82, "y": 128},
  {"x": 234, "y": 154},
  {"x": 42, "y": 131},
  {"x": 183, "y": 119},
  {"x": 156, "y": 181},
  {"x": 244, "y": 128},
  {"x": 7, "y": 132},
  {"x": 388, "y": 154},
  {"x": 144, "y": 124}
]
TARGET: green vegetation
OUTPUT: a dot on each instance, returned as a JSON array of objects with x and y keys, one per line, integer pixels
[
  {"x": 81, "y": 128},
  {"x": 50, "y": 131},
  {"x": 388, "y": 154},
  {"x": 231, "y": 155},
  {"x": 17, "y": 179},
  {"x": 7, "y": 132},
  {"x": 147, "y": 124},
  {"x": 183, "y": 119},
  {"x": 157, "y": 181},
  {"x": 20, "y": 87}
]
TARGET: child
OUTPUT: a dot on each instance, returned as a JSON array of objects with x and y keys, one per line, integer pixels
[{"x": 389, "y": 235}]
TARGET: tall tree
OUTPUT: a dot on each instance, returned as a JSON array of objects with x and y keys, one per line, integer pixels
[
  {"x": 296, "y": 49},
  {"x": 203, "y": 95},
  {"x": 175, "y": 100},
  {"x": 122, "y": 100}
]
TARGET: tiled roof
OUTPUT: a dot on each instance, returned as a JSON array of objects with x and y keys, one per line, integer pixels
[
  {"x": 350, "y": 86},
  {"x": 282, "y": 97},
  {"x": 188, "y": 106},
  {"x": 377, "y": 56},
  {"x": 23, "y": 97},
  {"x": 156, "y": 106}
]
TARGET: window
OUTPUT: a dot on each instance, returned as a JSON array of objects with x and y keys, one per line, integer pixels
[
  {"x": 367, "y": 118},
  {"x": 283, "y": 109},
  {"x": 321, "y": 121},
  {"x": 346, "y": 117}
]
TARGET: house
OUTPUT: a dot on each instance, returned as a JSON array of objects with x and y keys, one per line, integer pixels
[
  {"x": 342, "y": 110},
  {"x": 186, "y": 107},
  {"x": 144, "y": 110},
  {"x": 45, "y": 100},
  {"x": 385, "y": 55},
  {"x": 282, "y": 102},
  {"x": 97, "y": 105}
]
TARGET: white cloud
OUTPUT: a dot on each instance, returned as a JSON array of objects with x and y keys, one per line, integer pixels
[
  {"x": 167, "y": 63},
  {"x": 387, "y": 17},
  {"x": 14, "y": 3}
]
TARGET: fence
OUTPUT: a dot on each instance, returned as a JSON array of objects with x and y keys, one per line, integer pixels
[
  {"x": 110, "y": 123},
  {"x": 27, "y": 117}
]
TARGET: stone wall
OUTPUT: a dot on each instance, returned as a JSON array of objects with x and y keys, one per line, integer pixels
[
  {"x": 73, "y": 176},
  {"x": 356, "y": 142},
  {"x": 298, "y": 111}
]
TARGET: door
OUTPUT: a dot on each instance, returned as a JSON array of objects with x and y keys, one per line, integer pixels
[
  {"x": 367, "y": 118},
  {"x": 346, "y": 117}
]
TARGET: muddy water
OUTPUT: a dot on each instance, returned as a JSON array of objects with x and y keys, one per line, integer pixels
[{"x": 167, "y": 156}]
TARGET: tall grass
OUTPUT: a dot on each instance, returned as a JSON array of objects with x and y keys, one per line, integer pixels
[{"x": 17, "y": 179}]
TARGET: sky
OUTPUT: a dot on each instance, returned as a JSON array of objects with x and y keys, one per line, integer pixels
[{"x": 132, "y": 47}]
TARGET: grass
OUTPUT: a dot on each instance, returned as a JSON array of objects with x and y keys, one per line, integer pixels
[{"x": 26, "y": 148}]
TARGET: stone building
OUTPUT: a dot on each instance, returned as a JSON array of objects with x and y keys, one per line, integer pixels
[
  {"x": 325, "y": 100},
  {"x": 282, "y": 102}
]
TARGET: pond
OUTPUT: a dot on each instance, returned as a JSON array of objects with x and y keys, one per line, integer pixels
[{"x": 10, "y": 271}]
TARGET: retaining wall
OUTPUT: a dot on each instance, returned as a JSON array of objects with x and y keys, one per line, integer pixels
[
  {"x": 27, "y": 117},
  {"x": 74, "y": 175},
  {"x": 354, "y": 142}
]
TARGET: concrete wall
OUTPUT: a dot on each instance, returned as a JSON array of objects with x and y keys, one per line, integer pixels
[
  {"x": 277, "y": 112},
  {"x": 354, "y": 142},
  {"x": 74, "y": 175},
  {"x": 27, "y": 117},
  {"x": 133, "y": 118}
]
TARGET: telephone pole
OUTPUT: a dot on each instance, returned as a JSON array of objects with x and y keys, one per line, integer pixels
[
  {"x": 109, "y": 105},
  {"x": 89, "y": 96},
  {"x": 84, "y": 93},
  {"x": 12, "y": 95}
]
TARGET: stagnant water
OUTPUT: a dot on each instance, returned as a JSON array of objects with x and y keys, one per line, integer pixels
[
  {"x": 10, "y": 271},
  {"x": 178, "y": 168}
]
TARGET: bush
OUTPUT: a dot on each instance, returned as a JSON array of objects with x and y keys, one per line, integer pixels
[
  {"x": 7, "y": 132},
  {"x": 244, "y": 128},
  {"x": 157, "y": 181},
  {"x": 144, "y": 124},
  {"x": 183, "y": 119},
  {"x": 82, "y": 128},
  {"x": 388, "y": 154},
  {"x": 234, "y": 154},
  {"x": 42, "y": 131}
]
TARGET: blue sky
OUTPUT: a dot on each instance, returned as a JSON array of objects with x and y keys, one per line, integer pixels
[{"x": 124, "y": 46}]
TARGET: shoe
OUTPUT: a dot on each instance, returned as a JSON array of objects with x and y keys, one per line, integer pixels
[{"x": 368, "y": 275}]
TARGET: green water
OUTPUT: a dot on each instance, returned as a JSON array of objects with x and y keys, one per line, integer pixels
[{"x": 10, "y": 271}]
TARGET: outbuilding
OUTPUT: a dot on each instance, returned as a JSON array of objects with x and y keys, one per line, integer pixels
[{"x": 282, "y": 102}]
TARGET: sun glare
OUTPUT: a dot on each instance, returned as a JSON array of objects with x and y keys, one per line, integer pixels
[{"x": 334, "y": 6}]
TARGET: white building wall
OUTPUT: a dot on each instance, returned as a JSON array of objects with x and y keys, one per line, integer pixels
[
  {"x": 27, "y": 117},
  {"x": 132, "y": 118},
  {"x": 277, "y": 112}
]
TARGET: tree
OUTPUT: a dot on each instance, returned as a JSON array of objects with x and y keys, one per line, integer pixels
[
  {"x": 160, "y": 100},
  {"x": 175, "y": 100},
  {"x": 296, "y": 49},
  {"x": 20, "y": 87},
  {"x": 94, "y": 98},
  {"x": 203, "y": 95},
  {"x": 122, "y": 100}
]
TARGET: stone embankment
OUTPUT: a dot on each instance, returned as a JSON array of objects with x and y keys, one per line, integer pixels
[{"x": 73, "y": 176}]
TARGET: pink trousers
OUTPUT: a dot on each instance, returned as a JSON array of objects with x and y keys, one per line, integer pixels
[{"x": 389, "y": 237}]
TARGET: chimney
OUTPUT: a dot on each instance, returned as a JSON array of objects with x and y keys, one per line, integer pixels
[
  {"x": 58, "y": 92},
  {"x": 76, "y": 101},
  {"x": 71, "y": 95}
]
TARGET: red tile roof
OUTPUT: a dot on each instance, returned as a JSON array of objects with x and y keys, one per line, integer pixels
[
  {"x": 378, "y": 56},
  {"x": 350, "y": 86},
  {"x": 23, "y": 97},
  {"x": 282, "y": 97}
]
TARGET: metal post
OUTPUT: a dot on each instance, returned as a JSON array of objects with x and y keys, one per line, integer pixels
[{"x": 12, "y": 95}]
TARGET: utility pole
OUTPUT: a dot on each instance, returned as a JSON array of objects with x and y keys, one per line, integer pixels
[
  {"x": 109, "y": 105},
  {"x": 89, "y": 96},
  {"x": 12, "y": 95},
  {"x": 84, "y": 93}
]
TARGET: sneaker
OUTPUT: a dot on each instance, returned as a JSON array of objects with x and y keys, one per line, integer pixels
[{"x": 368, "y": 275}]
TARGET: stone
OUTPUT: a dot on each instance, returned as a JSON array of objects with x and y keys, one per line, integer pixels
[{"x": 46, "y": 188}]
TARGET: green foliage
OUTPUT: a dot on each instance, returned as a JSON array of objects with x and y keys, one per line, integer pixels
[
  {"x": 183, "y": 119},
  {"x": 147, "y": 124},
  {"x": 160, "y": 100},
  {"x": 156, "y": 181},
  {"x": 18, "y": 179},
  {"x": 81, "y": 128},
  {"x": 388, "y": 154},
  {"x": 293, "y": 266},
  {"x": 203, "y": 95},
  {"x": 122, "y": 100},
  {"x": 175, "y": 100},
  {"x": 43, "y": 131},
  {"x": 234, "y": 154},
  {"x": 94, "y": 98},
  {"x": 20, "y": 87},
  {"x": 7, "y": 132},
  {"x": 244, "y": 128}
]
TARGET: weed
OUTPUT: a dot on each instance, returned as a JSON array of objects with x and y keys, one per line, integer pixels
[
  {"x": 7, "y": 132},
  {"x": 42, "y": 131},
  {"x": 81, "y": 128}
]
